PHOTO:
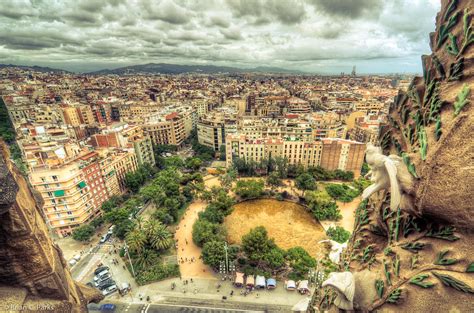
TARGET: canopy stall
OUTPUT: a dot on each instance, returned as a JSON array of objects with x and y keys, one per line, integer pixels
[
  {"x": 271, "y": 283},
  {"x": 303, "y": 286},
  {"x": 239, "y": 279},
  {"x": 250, "y": 281},
  {"x": 260, "y": 282},
  {"x": 290, "y": 285}
]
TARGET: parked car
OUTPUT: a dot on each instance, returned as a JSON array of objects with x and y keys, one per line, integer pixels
[
  {"x": 77, "y": 257},
  {"x": 106, "y": 283},
  {"x": 105, "y": 238},
  {"x": 72, "y": 262},
  {"x": 109, "y": 290},
  {"x": 102, "y": 279},
  {"x": 109, "y": 307},
  {"x": 111, "y": 230},
  {"x": 90, "y": 284},
  {"x": 101, "y": 274},
  {"x": 101, "y": 269}
]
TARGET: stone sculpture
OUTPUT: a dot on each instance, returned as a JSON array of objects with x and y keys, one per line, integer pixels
[
  {"x": 343, "y": 283},
  {"x": 387, "y": 172}
]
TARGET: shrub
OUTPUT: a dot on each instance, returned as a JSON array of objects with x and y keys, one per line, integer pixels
[
  {"x": 328, "y": 211},
  {"x": 157, "y": 272},
  {"x": 338, "y": 234},
  {"x": 248, "y": 189},
  {"x": 342, "y": 192}
]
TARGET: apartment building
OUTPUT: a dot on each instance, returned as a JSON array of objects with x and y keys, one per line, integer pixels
[
  {"x": 329, "y": 153},
  {"x": 347, "y": 155},
  {"x": 167, "y": 130},
  {"x": 213, "y": 128},
  {"x": 68, "y": 199},
  {"x": 71, "y": 116}
]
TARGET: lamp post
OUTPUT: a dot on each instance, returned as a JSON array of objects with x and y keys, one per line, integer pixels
[{"x": 130, "y": 260}]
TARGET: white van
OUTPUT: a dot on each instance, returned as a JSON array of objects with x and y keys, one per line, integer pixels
[
  {"x": 101, "y": 275},
  {"x": 72, "y": 262},
  {"x": 77, "y": 257}
]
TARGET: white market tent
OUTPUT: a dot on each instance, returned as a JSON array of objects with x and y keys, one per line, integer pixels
[
  {"x": 260, "y": 282},
  {"x": 303, "y": 286},
  {"x": 290, "y": 285}
]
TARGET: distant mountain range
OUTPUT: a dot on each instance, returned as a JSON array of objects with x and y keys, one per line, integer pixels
[
  {"x": 35, "y": 68},
  {"x": 164, "y": 68}
]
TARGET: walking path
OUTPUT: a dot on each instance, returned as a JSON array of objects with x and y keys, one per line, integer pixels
[{"x": 190, "y": 264}]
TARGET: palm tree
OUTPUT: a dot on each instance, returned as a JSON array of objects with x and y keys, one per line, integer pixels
[
  {"x": 158, "y": 236},
  {"x": 146, "y": 259},
  {"x": 136, "y": 240}
]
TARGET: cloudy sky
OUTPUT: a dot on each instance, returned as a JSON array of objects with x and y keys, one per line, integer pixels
[{"x": 320, "y": 36}]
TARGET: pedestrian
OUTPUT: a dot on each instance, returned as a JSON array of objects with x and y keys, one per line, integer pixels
[
  {"x": 182, "y": 249},
  {"x": 231, "y": 293},
  {"x": 191, "y": 280}
]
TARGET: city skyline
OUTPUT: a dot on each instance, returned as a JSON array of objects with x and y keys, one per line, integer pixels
[{"x": 313, "y": 36}]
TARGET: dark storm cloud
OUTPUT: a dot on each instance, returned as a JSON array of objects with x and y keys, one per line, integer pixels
[
  {"x": 287, "y": 12},
  {"x": 166, "y": 10},
  {"x": 349, "y": 8},
  {"x": 285, "y": 33}
]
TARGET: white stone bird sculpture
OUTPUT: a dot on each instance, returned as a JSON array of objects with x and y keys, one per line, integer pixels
[{"x": 387, "y": 172}]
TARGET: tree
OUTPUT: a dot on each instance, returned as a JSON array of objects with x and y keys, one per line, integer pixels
[
  {"x": 275, "y": 258},
  {"x": 281, "y": 166},
  {"x": 136, "y": 240},
  {"x": 157, "y": 235},
  {"x": 193, "y": 163},
  {"x": 338, "y": 234},
  {"x": 274, "y": 180},
  {"x": 256, "y": 244},
  {"x": 248, "y": 189},
  {"x": 222, "y": 152},
  {"x": 305, "y": 182},
  {"x": 300, "y": 261},
  {"x": 213, "y": 253},
  {"x": 112, "y": 203},
  {"x": 83, "y": 232},
  {"x": 204, "y": 231},
  {"x": 174, "y": 161},
  {"x": 322, "y": 206}
]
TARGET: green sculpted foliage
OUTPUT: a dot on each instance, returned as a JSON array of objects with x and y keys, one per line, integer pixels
[
  {"x": 438, "y": 131},
  {"x": 467, "y": 31},
  {"x": 445, "y": 28},
  {"x": 395, "y": 296},
  {"x": 379, "y": 286},
  {"x": 413, "y": 246},
  {"x": 419, "y": 281},
  {"x": 441, "y": 260},
  {"x": 439, "y": 67},
  {"x": 387, "y": 272},
  {"x": 423, "y": 140},
  {"x": 451, "y": 7},
  {"x": 461, "y": 99},
  {"x": 452, "y": 46},
  {"x": 410, "y": 166},
  {"x": 444, "y": 232},
  {"x": 470, "y": 268},
  {"x": 452, "y": 282},
  {"x": 456, "y": 70}
]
